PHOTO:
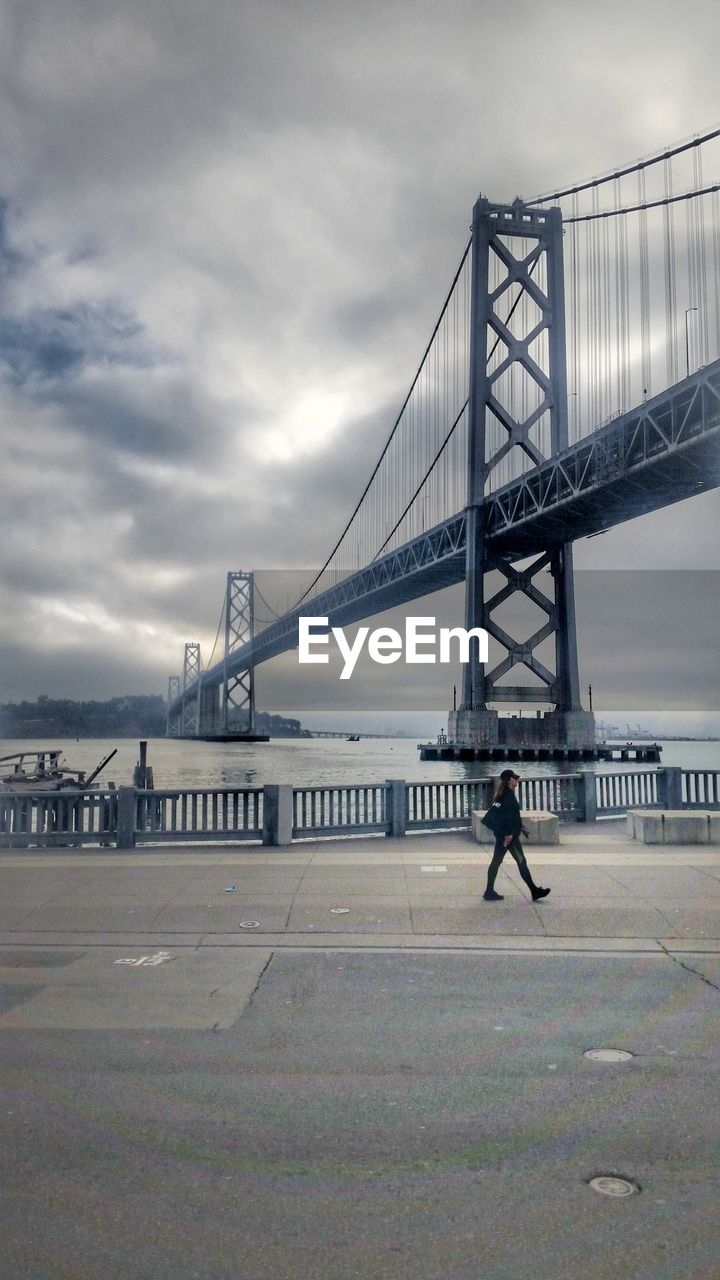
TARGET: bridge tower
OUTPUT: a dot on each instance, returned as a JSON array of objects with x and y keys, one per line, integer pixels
[
  {"x": 192, "y": 671},
  {"x": 173, "y": 725},
  {"x": 238, "y": 691},
  {"x": 518, "y": 403}
]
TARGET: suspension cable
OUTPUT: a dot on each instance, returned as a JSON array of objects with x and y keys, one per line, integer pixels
[
  {"x": 435, "y": 460},
  {"x": 259, "y": 593},
  {"x": 446, "y": 441},
  {"x": 632, "y": 168},
  {"x": 208, "y": 664},
  {"x": 396, "y": 424},
  {"x": 648, "y": 204}
]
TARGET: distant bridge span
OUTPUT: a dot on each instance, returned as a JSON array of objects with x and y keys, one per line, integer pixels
[{"x": 661, "y": 452}]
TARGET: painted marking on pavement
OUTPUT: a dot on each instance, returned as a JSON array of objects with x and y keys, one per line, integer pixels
[{"x": 158, "y": 957}]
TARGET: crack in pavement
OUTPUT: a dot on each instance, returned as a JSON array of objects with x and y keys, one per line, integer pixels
[
  {"x": 687, "y": 968},
  {"x": 261, "y": 975}
]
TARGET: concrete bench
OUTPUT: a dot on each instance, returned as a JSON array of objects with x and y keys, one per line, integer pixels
[
  {"x": 673, "y": 826},
  {"x": 543, "y": 827}
]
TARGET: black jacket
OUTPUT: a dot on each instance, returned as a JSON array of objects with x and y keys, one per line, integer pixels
[{"x": 509, "y": 822}]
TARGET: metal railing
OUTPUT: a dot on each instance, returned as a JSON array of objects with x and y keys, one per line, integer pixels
[
  {"x": 58, "y": 818},
  {"x": 618, "y": 792},
  {"x": 441, "y": 805},
  {"x": 278, "y": 814},
  {"x": 225, "y": 813},
  {"x": 359, "y": 809},
  {"x": 700, "y": 789},
  {"x": 562, "y": 794}
]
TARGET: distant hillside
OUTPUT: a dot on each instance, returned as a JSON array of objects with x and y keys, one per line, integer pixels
[{"x": 134, "y": 716}]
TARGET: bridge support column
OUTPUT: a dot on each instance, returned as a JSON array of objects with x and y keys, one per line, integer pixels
[
  {"x": 192, "y": 668},
  {"x": 173, "y": 720},
  {"x": 209, "y": 717},
  {"x": 517, "y": 417},
  {"x": 476, "y": 727},
  {"x": 238, "y": 691}
]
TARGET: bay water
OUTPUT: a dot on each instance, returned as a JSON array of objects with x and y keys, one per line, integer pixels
[{"x": 179, "y": 764}]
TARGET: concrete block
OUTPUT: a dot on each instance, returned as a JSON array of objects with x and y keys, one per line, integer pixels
[
  {"x": 649, "y": 828},
  {"x": 542, "y": 827},
  {"x": 681, "y": 827},
  {"x": 714, "y": 828},
  {"x": 672, "y": 826},
  {"x": 481, "y": 834}
]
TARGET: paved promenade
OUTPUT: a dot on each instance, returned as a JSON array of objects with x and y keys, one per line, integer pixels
[
  {"x": 420, "y": 891},
  {"x": 229, "y": 908},
  {"x": 353, "y": 1068}
]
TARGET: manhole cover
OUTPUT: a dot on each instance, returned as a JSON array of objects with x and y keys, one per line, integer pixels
[
  {"x": 611, "y": 1186},
  {"x": 249, "y": 924},
  {"x": 609, "y": 1055},
  {"x": 339, "y": 911}
]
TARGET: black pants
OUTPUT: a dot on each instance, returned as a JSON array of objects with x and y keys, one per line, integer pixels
[{"x": 516, "y": 849}]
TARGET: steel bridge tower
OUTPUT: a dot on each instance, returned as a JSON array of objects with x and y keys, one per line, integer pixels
[
  {"x": 173, "y": 723},
  {"x": 192, "y": 672},
  {"x": 530, "y": 346},
  {"x": 238, "y": 691}
]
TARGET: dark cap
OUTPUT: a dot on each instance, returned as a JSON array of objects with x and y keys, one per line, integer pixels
[{"x": 507, "y": 774}]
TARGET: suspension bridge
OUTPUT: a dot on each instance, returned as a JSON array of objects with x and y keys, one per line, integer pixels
[{"x": 571, "y": 382}]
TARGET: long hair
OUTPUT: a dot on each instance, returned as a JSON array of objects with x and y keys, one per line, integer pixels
[{"x": 500, "y": 790}]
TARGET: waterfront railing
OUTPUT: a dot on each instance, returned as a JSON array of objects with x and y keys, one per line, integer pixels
[{"x": 278, "y": 814}]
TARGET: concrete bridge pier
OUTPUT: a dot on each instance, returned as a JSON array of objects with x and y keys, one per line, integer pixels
[{"x": 209, "y": 713}]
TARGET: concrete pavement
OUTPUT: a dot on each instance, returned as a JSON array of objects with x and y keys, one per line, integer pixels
[
  {"x": 421, "y": 891},
  {"x": 352, "y": 1068}
]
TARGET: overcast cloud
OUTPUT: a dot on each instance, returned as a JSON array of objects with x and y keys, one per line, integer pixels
[{"x": 225, "y": 233}]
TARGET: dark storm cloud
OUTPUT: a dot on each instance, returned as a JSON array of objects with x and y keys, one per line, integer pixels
[
  {"x": 226, "y": 231},
  {"x": 84, "y": 669},
  {"x": 52, "y": 345}
]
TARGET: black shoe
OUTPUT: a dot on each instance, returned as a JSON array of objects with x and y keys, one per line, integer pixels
[
  {"x": 539, "y": 893},
  {"x": 491, "y": 896}
]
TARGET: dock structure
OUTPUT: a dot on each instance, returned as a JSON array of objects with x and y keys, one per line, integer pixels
[{"x": 444, "y": 749}]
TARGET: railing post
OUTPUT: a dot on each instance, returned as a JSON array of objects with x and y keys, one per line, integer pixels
[
  {"x": 126, "y": 808},
  {"x": 277, "y": 813},
  {"x": 587, "y": 797},
  {"x": 670, "y": 788},
  {"x": 396, "y": 806}
]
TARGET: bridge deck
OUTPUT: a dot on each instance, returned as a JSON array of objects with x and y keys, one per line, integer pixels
[{"x": 661, "y": 452}]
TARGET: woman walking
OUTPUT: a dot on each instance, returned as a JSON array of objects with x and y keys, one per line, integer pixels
[{"x": 507, "y": 827}]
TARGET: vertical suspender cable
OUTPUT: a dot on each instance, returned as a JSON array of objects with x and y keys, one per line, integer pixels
[
  {"x": 670, "y": 279},
  {"x": 716, "y": 269},
  {"x": 692, "y": 288},
  {"x": 617, "y": 346},
  {"x": 607, "y": 326},
  {"x": 597, "y": 406},
  {"x": 702, "y": 316},
  {"x": 644, "y": 291},
  {"x": 573, "y": 330}
]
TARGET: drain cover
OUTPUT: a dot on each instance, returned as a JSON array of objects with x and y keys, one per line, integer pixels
[
  {"x": 611, "y": 1186},
  {"x": 609, "y": 1055}
]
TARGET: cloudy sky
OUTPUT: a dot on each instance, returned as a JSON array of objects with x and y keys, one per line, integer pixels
[{"x": 225, "y": 232}]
